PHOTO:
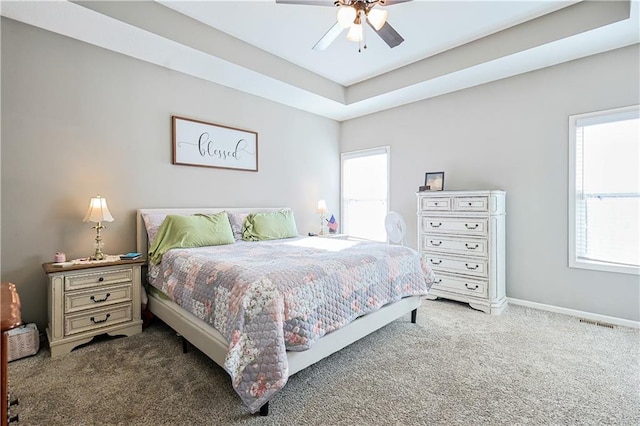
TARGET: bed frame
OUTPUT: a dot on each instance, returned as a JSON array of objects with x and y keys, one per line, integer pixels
[{"x": 214, "y": 345}]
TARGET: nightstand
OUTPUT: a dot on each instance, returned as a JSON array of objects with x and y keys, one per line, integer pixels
[
  {"x": 338, "y": 236},
  {"x": 91, "y": 299}
]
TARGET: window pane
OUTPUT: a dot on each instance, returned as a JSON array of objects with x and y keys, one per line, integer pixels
[
  {"x": 364, "y": 194},
  {"x": 607, "y": 197}
]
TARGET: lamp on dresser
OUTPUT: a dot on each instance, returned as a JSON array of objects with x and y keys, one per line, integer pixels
[{"x": 98, "y": 212}]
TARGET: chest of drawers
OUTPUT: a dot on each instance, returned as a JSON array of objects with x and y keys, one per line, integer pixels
[
  {"x": 461, "y": 235},
  {"x": 87, "y": 300}
]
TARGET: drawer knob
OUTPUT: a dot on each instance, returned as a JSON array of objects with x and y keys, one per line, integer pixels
[
  {"x": 469, "y": 203},
  {"x": 435, "y": 225},
  {"x": 438, "y": 281},
  {"x": 95, "y": 321},
  {"x": 471, "y": 267},
  {"x": 471, "y": 288},
  {"x": 435, "y": 262},
  {"x": 474, "y": 226},
  {"x": 100, "y": 300},
  {"x": 436, "y": 244},
  {"x": 435, "y": 204},
  {"x": 100, "y": 279},
  {"x": 470, "y": 247}
]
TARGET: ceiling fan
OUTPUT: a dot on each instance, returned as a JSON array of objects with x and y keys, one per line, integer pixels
[{"x": 352, "y": 14}]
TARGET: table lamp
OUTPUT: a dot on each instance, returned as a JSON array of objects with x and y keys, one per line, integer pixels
[
  {"x": 98, "y": 212},
  {"x": 322, "y": 209}
]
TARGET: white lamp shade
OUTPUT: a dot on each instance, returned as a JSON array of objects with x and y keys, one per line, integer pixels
[
  {"x": 322, "y": 207},
  {"x": 346, "y": 16},
  {"x": 98, "y": 211},
  {"x": 355, "y": 33},
  {"x": 377, "y": 18}
]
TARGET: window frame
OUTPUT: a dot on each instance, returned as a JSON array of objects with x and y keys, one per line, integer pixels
[
  {"x": 574, "y": 261},
  {"x": 385, "y": 149}
]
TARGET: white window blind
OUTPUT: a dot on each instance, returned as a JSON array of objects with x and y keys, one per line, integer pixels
[{"x": 605, "y": 191}]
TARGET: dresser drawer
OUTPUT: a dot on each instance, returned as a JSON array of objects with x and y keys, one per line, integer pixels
[
  {"x": 470, "y": 226},
  {"x": 472, "y": 287},
  {"x": 437, "y": 204},
  {"x": 94, "y": 279},
  {"x": 98, "y": 318},
  {"x": 96, "y": 297},
  {"x": 446, "y": 244},
  {"x": 471, "y": 204},
  {"x": 470, "y": 266}
]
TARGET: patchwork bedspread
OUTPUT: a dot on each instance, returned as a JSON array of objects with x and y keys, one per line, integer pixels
[{"x": 272, "y": 296}]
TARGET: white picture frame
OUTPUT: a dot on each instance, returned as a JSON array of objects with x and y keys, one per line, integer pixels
[{"x": 203, "y": 144}]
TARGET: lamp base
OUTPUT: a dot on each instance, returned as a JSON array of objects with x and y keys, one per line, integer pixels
[{"x": 98, "y": 256}]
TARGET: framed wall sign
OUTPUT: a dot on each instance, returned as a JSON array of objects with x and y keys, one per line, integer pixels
[{"x": 198, "y": 143}]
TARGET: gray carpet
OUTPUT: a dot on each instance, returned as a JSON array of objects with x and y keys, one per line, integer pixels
[{"x": 457, "y": 366}]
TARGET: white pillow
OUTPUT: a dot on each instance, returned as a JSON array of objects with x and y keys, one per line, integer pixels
[{"x": 152, "y": 222}]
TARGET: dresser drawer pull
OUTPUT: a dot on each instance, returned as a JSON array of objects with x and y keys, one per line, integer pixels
[
  {"x": 100, "y": 279},
  {"x": 433, "y": 243},
  {"x": 474, "y": 226},
  {"x": 95, "y": 321},
  {"x": 435, "y": 262},
  {"x": 470, "y": 204},
  {"x": 470, "y": 247},
  {"x": 471, "y": 288},
  {"x": 438, "y": 281},
  {"x": 471, "y": 267},
  {"x": 434, "y": 225},
  {"x": 100, "y": 300}
]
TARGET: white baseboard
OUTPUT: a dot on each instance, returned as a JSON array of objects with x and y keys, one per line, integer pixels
[{"x": 574, "y": 313}]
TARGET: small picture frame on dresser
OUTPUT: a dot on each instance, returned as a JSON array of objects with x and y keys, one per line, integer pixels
[{"x": 434, "y": 181}]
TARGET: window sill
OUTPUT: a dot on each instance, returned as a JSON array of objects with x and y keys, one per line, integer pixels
[{"x": 604, "y": 267}]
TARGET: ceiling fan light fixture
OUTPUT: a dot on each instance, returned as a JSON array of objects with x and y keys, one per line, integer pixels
[
  {"x": 346, "y": 16},
  {"x": 355, "y": 33},
  {"x": 377, "y": 18}
]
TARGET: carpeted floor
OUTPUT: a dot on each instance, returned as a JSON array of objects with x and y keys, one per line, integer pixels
[{"x": 456, "y": 366}]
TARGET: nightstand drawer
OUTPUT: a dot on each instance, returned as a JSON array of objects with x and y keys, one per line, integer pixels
[
  {"x": 471, "y": 287},
  {"x": 437, "y": 204},
  {"x": 471, "y": 204},
  {"x": 446, "y": 244},
  {"x": 93, "y": 279},
  {"x": 94, "y": 319},
  {"x": 455, "y": 225},
  {"x": 103, "y": 296},
  {"x": 475, "y": 267}
]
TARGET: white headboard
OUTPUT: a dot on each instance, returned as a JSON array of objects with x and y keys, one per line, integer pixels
[{"x": 142, "y": 241}]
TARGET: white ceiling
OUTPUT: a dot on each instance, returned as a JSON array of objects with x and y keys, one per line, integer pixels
[
  {"x": 428, "y": 27},
  {"x": 264, "y": 48}
]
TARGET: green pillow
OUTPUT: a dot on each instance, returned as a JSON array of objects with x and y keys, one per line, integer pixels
[
  {"x": 269, "y": 226},
  {"x": 199, "y": 230}
]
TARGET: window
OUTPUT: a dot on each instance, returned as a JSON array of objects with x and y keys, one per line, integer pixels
[
  {"x": 365, "y": 193},
  {"x": 604, "y": 190}
]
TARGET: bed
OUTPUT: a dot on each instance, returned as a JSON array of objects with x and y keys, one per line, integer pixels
[{"x": 282, "y": 306}]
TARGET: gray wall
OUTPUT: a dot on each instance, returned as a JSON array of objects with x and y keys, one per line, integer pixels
[
  {"x": 513, "y": 135},
  {"x": 78, "y": 120}
]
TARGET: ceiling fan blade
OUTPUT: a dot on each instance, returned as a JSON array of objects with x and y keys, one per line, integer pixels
[
  {"x": 388, "y": 34},
  {"x": 309, "y": 2},
  {"x": 391, "y": 2},
  {"x": 329, "y": 37}
]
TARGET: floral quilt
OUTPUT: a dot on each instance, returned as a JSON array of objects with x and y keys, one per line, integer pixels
[{"x": 272, "y": 296}]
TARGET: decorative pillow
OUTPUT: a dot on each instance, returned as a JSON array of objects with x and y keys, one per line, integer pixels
[
  {"x": 237, "y": 220},
  {"x": 199, "y": 230},
  {"x": 152, "y": 222},
  {"x": 269, "y": 226}
]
